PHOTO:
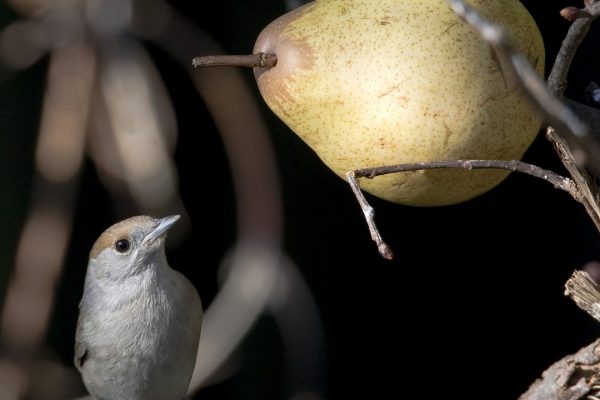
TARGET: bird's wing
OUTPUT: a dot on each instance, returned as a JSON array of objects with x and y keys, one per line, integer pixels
[{"x": 81, "y": 350}]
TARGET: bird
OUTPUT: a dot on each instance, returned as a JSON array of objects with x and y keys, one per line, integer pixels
[{"x": 139, "y": 320}]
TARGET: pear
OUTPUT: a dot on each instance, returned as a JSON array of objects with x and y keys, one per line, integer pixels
[{"x": 370, "y": 83}]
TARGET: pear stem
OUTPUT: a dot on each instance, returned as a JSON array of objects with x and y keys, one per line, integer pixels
[
  {"x": 558, "y": 181},
  {"x": 258, "y": 60}
]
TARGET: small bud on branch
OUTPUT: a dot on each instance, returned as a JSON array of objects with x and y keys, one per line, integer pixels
[{"x": 572, "y": 13}]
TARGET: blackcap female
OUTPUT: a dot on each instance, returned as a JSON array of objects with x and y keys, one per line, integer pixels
[{"x": 139, "y": 320}]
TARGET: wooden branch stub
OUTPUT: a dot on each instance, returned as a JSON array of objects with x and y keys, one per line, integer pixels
[
  {"x": 571, "y": 378},
  {"x": 576, "y": 376},
  {"x": 582, "y": 289}
]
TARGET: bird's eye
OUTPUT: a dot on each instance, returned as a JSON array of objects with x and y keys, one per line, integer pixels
[{"x": 122, "y": 245}]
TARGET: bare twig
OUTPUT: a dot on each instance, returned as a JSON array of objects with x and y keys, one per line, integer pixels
[
  {"x": 558, "y": 181},
  {"x": 369, "y": 212},
  {"x": 584, "y": 182},
  {"x": 557, "y": 80}
]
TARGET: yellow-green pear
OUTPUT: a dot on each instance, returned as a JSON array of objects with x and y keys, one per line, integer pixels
[{"x": 369, "y": 83}]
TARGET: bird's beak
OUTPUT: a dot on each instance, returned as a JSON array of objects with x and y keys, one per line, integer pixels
[{"x": 161, "y": 227}]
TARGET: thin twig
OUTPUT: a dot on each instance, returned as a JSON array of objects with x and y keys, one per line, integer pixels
[
  {"x": 557, "y": 80},
  {"x": 369, "y": 212},
  {"x": 584, "y": 182},
  {"x": 558, "y": 181}
]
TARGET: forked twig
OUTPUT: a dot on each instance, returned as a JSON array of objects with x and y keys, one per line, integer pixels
[
  {"x": 369, "y": 212},
  {"x": 558, "y": 181}
]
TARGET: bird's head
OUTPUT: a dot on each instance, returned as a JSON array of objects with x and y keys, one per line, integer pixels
[{"x": 130, "y": 246}]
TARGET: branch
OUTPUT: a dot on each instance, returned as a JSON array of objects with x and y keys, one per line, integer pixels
[
  {"x": 280, "y": 288},
  {"x": 557, "y": 84},
  {"x": 575, "y": 376},
  {"x": 369, "y": 212},
  {"x": 571, "y": 378},
  {"x": 557, "y": 80},
  {"x": 558, "y": 181}
]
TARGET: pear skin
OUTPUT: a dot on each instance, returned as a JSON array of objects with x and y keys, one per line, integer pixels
[{"x": 373, "y": 83}]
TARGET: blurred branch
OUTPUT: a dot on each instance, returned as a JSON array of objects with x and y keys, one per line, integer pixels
[
  {"x": 127, "y": 98},
  {"x": 519, "y": 72},
  {"x": 256, "y": 269},
  {"x": 45, "y": 236},
  {"x": 223, "y": 89}
]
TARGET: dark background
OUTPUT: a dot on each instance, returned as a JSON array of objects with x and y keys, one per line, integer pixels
[{"x": 471, "y": 307}]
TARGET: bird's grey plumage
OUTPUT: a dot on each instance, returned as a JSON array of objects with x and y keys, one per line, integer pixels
[{"x": 139, "y": 320}]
